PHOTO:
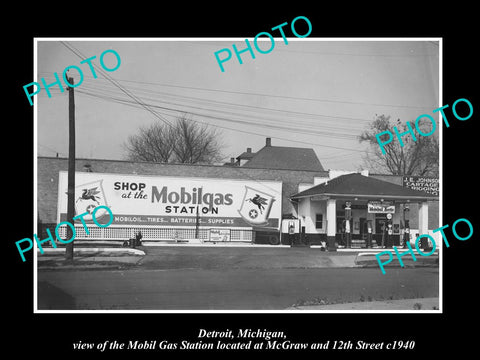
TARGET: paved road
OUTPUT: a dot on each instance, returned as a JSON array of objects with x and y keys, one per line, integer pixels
[
  {"x": 227, "y": 289},
  {"x": 178, "y": 257}
]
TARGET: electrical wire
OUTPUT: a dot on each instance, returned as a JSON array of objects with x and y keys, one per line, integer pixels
[
  {"x": 247, "y": 107},
  {"x": 309, "y": 125},
  {"x": 275, "y": 96},
  {"x": 114, "y": 82},
  {"x": 251, "y": 108},
  {"x": 129, "y": 103},
  {"x": 250, "y": 93},
  {"x": 309, "y": 130}
]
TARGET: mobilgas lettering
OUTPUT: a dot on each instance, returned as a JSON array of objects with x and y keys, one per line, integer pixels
[{"x": 195, "y": 197}]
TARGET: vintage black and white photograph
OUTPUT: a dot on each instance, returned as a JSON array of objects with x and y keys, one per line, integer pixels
[{"x": 284, "y": 174}]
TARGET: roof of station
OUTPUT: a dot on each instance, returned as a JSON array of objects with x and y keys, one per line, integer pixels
[{"x": 360, "y": 186}]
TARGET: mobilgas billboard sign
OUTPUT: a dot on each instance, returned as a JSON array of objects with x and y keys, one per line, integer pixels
[{"x": 174, "y": 201}]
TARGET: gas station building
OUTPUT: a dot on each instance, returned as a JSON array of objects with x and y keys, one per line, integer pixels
[
  {"x": 355, "y": 210},
  {"x": 334, "y": 208}
]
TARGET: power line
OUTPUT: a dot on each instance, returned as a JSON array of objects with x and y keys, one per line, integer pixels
[
  {"x": 114, "y": 82},
  {"x": 311, "y": 129},
  {"x": 328, "y": 53},
  {"x": 125, "y": 102},
  {"x": 252, "y": 107},
  {"x": 276, "y": 119},
  {"x": 250, "y": 123},
  {"x": 249, "y": 93},
  {"x": 143, "y": 105},
  {"x": 275, "y": 96}
]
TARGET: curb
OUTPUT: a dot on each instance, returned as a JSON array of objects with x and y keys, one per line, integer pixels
[
  {"x": 370, "y": 260},
  {"x": 88, "y": 258},
  {"x": 104, "y": 257},
  {"x": 89, "y": 250}
]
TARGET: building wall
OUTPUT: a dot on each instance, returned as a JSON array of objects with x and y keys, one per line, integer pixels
[
  {"x": 48, "y": 169},
  {"x": 309, "y": 209}
]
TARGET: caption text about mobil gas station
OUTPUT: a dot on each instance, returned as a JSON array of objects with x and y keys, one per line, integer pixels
[{"x": 242, "y": 339}]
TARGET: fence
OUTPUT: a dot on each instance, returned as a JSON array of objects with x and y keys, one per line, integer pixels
[{"x": 152, "y": 233}]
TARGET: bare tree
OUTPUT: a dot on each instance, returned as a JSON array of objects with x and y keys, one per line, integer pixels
[
  {"x": 420, "y": 157},
  {"x": 153, "y": 143},
  {"x": 186, "y": 141}
]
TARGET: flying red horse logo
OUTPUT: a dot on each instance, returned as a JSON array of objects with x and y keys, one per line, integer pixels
[
  {"x": 256, "y": 206},
  {"x": 261, "y": 202},
  {"x": 89, "y": 194}
]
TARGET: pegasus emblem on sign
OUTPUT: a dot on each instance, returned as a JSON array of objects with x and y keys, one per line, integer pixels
[
  {"x": 89, "y": 194},
  {"x": 261, "y": 202},
  {"x": 256, "y": 206}
]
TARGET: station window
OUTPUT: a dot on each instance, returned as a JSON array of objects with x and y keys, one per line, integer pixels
[{"x": 319, "y": 221}]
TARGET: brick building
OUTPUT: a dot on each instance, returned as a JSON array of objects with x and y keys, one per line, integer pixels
[{"x": 296, "y": 169}]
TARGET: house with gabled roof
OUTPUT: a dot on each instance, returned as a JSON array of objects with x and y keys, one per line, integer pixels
[{"x": 283, "y": 157}]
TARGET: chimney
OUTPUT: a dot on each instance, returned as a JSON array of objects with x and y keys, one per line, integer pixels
[{"x": 268, "y": 142}]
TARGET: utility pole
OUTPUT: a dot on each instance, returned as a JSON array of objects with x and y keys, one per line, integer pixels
[
  {"x": 197, "y": 223},
  {"x": 71, "y": 169}
]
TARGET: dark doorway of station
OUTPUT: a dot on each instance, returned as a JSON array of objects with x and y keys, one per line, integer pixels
[{"x": 363, "y": 228}]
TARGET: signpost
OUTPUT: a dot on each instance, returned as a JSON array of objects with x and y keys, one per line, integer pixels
[{"x": 219, "y": 235}]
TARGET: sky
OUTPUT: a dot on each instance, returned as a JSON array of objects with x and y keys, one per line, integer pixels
[{"x": 312, "y": 92}]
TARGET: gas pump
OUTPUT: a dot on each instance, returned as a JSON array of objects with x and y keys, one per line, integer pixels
[
  {"x": 383, "y": 227},
  {"x": 369, "y": 233},
  {"x": 348, "y": 216},
  {"x": 389, "y": 230},
  {"x": 291, "y": 229},
  {"x": 406, "y": 221}
]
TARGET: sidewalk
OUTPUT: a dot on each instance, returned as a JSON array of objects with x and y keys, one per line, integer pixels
[
  {"x": 88, "y": 258},
  {"x": 420, "y": 304},
  {"x": 218, "y": 255},
  {"x": 368, "y": 259}
]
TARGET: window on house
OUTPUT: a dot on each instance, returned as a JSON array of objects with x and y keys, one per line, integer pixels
[{"x": 319, "y": 221}]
